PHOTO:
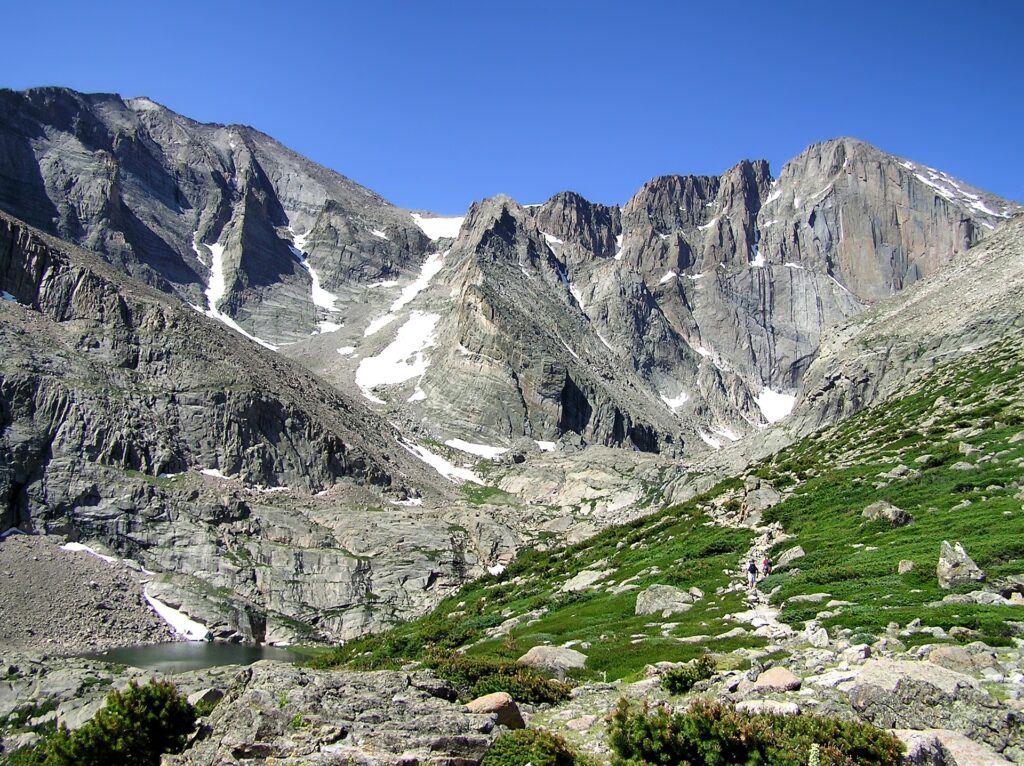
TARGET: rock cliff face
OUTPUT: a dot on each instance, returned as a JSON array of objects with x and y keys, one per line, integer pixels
[
  {"x": 116, "y": 399},
  {"x": 222, "y": 216}
]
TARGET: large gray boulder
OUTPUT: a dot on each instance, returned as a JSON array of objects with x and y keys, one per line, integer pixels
[
  {"x": 922, "y": 695},
  {"x": 557, "y": 659},
  {"x": 663, "y": 600},
  {"x": 956, "y": 568},
  {"x": 887, "y": 512}
]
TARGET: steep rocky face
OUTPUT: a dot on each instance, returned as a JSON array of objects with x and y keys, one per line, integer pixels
[
  {"x": 115, "y": 400},
  {"x": 222, "y": 216},
  {"x": 517, "y": 323},
  {"x": 973, "y": 301}
]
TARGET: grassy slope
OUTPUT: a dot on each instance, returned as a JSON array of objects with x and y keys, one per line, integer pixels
[
  {"x": 977, "y": 401},
  {"x": 832, "y": 476}
]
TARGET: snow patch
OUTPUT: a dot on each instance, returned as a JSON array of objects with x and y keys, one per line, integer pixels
[
  {"x": 183, "y": 625},
  {"x": 482, "y": 450},
  {"x": 380, "y": 234},
  {"x": 773, "y": 196},
  {"x": 709, "y": 440},
  {"x": 727, "y": 433},
  {"x": 384, "y": 283},
  {"x": 702, "y": 351},
  {"x": 791, "y": 265},
  {"x": 546, "y": 446},
  {"x": 213, "y": 472},
  {"x": 215, "y": 289},
  {"x": 403, "y": 359},
  {"x": 321, "y": 297},
  {"x": 428, "y": 270},
  {"x": 418, "y": 395},
  {"x": 767, "y": 224},
  {"x": 378, "y": 324},
  {"x": 410, "y": 503},
  {"x": 618, "y": 248},
  {"x": 80, "y": 548},
  {"x": 605, "y": 342},
  {"x": 446, "y": 469},
  {"x": 708, "y": 225},
  {"x": 577, "y": 295},
  {"x": 758, "y": 260},
  {"x": 497, "y": 569},
  {"x": 775, "y": 405},
  {"x": 552, "y": 239},
  {"x": 327, "y": 326},
  {"x": 669, "y": 276},
  {"x": 674, "y": 403},
  {"x": 347, "y": 350},
  {"x": 435, "y": 228},
  {"x": 796, "y": 202}
]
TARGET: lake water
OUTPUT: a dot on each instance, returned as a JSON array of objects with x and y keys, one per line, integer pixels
[{"x": 191, "y": 655}]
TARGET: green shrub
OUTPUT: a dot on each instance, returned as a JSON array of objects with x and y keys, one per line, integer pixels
[
  {"x": 680, "y": 680},
  {"x": 476, "y": 676},
  {"x": 712, "y": 734},
  {"x": 135, "y": 728},
  {"x": 530, "y": 746}
]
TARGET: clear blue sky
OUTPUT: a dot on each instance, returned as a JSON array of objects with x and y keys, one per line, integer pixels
[{"x": 436, "y": 104}]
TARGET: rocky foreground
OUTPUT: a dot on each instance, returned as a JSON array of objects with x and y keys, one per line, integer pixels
[{"x": 65, "y": 602}]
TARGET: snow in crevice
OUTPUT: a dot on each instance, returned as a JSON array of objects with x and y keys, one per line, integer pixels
[
  {"x": 709, "y": 440},
  {"x": 791, "y": 265},
  {"x": 429, "y": 269},
  {"x": 546, "y": 446},
  {"x": 770, "y": 223},
  {"x": 384, "y": 283},
  {"x": 480, "y": 450},
  {"x": 709, "y": 224},
  {"x": 773, "y": 196},
  {"x": 321, "y": 298},
  {"x": 441, "y": 465},
  {"x": 796, "y": 203},
  {"x": 675, "y": 402},
  {"x": 618, "y": 247},
  {"x": 182, "y": 624},
  {"x": 418, "y": 395},
  {"x": 379, "y": 234},
  {"x": 577, "y": 295},
  {"x": 726, "y": 433},
  {"x": 566, "y": 345},
  {"x": 436, "y": 228},
  {"x": 775, "y": 405},
  {"x": 605, "y": 342},
  {"x": 758, "y": 260},
  {"x": 216, "y": 287},
  {"x": 402, "y": 360},
  {"x": 552, "y": 239},
  {"x": 668, "y": 277}
]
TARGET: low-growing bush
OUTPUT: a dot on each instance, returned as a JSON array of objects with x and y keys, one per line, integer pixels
[
  {"x": 476, "y": 676},
  {"x": 680, "y": 680},
  {"x": 530, "y": 746},
  {"x": 135, "y": 728},
  {"x": 712, "y": 734}
]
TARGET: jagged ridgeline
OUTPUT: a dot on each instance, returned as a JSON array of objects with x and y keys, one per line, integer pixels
[{"x": 315, "y": 414}]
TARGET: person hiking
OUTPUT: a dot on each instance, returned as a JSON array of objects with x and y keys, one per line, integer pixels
[
  {"x": 751, "y": 574},
  {"x": 766, "y": 567}
]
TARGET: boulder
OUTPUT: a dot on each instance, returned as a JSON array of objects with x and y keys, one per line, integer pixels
[
  {"x": 963, "y": 659},
  {"x": 942, "y": 747},
  {"x": 663, "y": 600},
  {"x": 905, "y": 566},
  {"x": 789, "y": 555},
  {"x": 887, "y": 512},
  {"x": 779, "y": 679},
  {"x": 922, "y": 695},
  {"x": 556, "y": 659},
  {"x": 502, "y": 706},
  {"x": 956, "y": 567},
  {"x": 771, "y": 707},
  {"x": 584, "y": 580},
  {"x": 207, "y": 696},
  {"x": 818, "y": 638}
]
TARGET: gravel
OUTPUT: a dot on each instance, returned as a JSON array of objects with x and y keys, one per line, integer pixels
[{"x": 70, "y": 602}]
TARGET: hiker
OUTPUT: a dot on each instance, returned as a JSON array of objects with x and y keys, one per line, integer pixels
[
  {"x": 751, "y": 574},
  {"x": 766, "y": 567}
]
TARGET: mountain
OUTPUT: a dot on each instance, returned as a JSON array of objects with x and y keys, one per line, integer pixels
[{"x": 314, "y": 413}]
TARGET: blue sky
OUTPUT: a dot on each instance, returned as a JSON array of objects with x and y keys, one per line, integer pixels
[{"x": 436, "y": 104}]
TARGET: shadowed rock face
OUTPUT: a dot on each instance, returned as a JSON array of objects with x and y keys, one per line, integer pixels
[
  {"x": 150, "y": 190},
  {"x": 114, "y": 396}
]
